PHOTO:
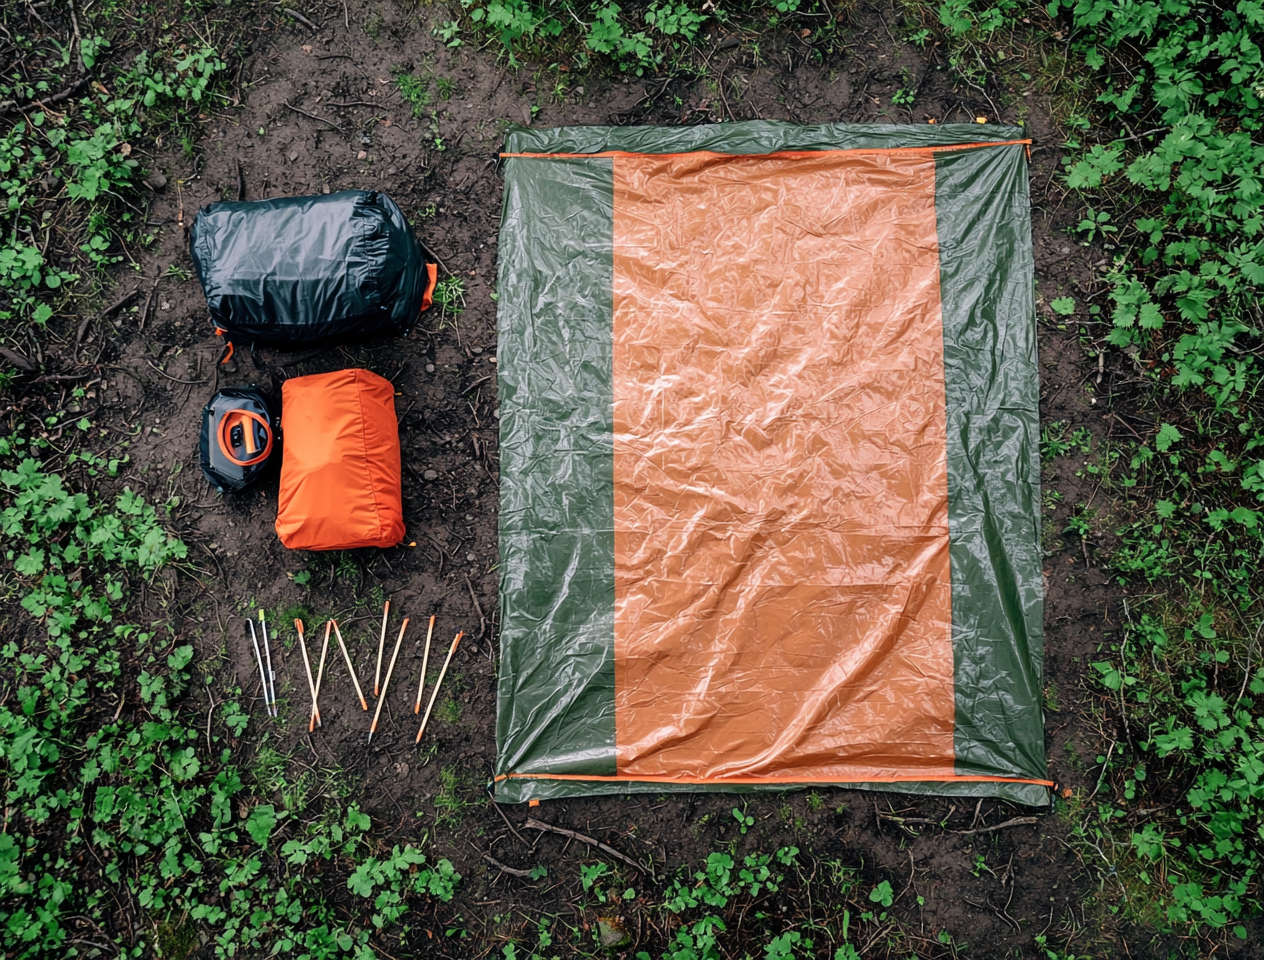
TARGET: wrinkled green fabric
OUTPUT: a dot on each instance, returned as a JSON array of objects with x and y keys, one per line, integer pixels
[
  {"x": 556, "y": 686},
  {"x": 751, "y": 136},
  {"x": 992, "y": 390},
  {"x": 297, "y": 270}
]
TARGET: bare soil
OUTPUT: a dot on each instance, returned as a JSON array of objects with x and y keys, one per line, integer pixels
[{"x": 319, "y": 110}]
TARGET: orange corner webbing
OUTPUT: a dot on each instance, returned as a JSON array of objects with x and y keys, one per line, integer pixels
[
  {"x": 243, "y": 419},
  {"x": 778, "y": 155}
]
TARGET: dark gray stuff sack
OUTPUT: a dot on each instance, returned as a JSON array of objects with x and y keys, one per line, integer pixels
[{"x": 310, "y": 270}]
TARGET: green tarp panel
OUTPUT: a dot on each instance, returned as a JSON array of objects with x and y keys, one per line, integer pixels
[{"x": 769, "y": 462}]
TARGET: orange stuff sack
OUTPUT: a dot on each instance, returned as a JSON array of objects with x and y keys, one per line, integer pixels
[{"x": 340, "y": 470}]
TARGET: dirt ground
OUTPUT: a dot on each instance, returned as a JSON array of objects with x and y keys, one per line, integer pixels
[{"x": 319, "y": 111}]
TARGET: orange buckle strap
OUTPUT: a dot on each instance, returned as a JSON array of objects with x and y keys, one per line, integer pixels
[
  {"x": 228, "y": 346},
  {"x": 427, "y": 298}
]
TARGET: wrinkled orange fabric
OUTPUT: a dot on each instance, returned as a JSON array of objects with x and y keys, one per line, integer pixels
[
  {"x": 340, "y": 468},
  {"x": 782, "y": 583}
]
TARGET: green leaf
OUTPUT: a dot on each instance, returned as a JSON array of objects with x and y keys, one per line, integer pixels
[
  {"x": 1063, "y": 306},
  {"x": 1167, "y": 436},
  {"x": 261, "y": 822}
]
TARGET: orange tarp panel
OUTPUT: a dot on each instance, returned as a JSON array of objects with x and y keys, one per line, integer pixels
[
  {"x": 782, "y": 585},
  {"x": 340, "y": 471}
]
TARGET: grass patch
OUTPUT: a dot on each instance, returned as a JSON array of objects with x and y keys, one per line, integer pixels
[{"x": 1160, "y": 108}]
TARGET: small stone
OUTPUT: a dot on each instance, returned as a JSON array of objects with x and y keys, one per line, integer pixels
[
  {"x": 470, "y": 557},
  {"x": 579, "y": 91},
  {"x": 361, "y": 155},
  {"x": 158, "y": 181},
  {"x": 293, "y": 155},
  {"x": 611, "y": 932},
  {"x": 430, "y": 368},
  {"x": 1065, "y": 250},
  {"x": 166, "y": 305},
  {"x": 325, "y": 188},
  {"x": 476, "y": 349},
  {"x": 430, "y": 475},
  {"x": 468, "y": 516}
]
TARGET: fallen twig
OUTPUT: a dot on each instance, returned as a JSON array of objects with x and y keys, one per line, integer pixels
[
  {"x": 105, "y": 312},
  {"x": 8, "y": 105},
  {"x": 496, "y": 807},
  {"x": 313, "y": 116},
  {"x": 512, "y": 871},
  {"x": 1016, "y": 822},
  {"x": 533, "y": 824},
  {"x": 482, "y": 618},
  {"x": 171, "y": 378},
  {"x": 18, "y": 360},
  {"x": 301, "y": 19}
]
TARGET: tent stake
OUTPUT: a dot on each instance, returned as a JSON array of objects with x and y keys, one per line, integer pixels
[
  {"x": 425, "y": 661},
  {"x": 381, "y": 644},
  {"x": 254, "y": 639},
  {"x": 267, "y": 652},
  {"x": 350, "y": 669},
  {"x": 389, "y": 670},
  {"x": 438, "y": 683},
  {"x": 320, "y": 675},
  {"x": 307, "y": 664}
]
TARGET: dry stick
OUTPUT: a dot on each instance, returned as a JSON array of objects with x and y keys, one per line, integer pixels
[
  {"x": 302, "y": 644},
  {"x": 350, "y": 669},
  {"x": 381, "y": 644},
  {"x": 496, "y": 807},
  {"x": 539, "y": 825},
  {"x": 267, "y": 653},
  {"x": 301, "y": 19},
  {"x": 389, "y": 670},
  {"x": 320, "y": 675},
  {"x": 1016, "y": 822},
  {"x": 512, "y": 871},
  {"x": 312, "y": 116},
  {"x": 425, "y": 662},
  {"x": 259, "y": 660},
  {"x": 438, "y": 683}
]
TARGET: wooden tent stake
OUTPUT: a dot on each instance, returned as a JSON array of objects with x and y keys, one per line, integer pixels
[
  {"x": 425, "y": 661},
  {"x": 350, "y": 669},
  {"x": 389, "y": 670},
  {"x": 438, "y": 683}
]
